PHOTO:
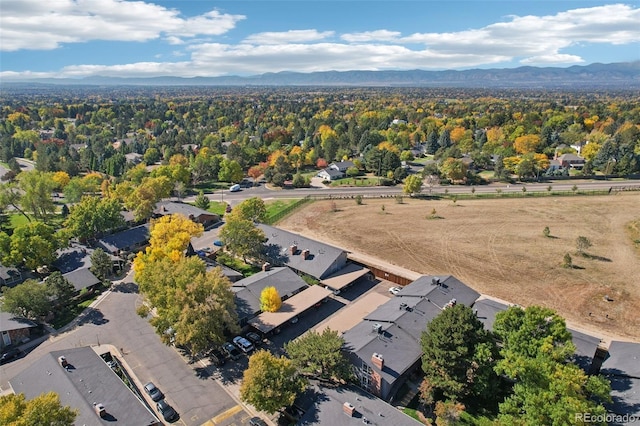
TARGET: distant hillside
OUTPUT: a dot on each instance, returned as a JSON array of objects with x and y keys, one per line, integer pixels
[{"x": 612, "y": 76}]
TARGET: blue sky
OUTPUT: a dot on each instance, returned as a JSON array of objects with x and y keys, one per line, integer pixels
[{"x": 81, "y": 38}]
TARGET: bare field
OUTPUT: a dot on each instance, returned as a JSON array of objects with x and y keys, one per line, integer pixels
[{"x": 497, "y": 247}]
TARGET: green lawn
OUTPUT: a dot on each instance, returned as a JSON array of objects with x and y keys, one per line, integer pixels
[
  {"x": 65, "y": 317},
  {"x": 487, "y": 174},
  {"x": 357, "y": 181},
  {"x": 217, "y": 207},
  {"x": 17, "y": 219},
  {"x": 276, "y": 206}
]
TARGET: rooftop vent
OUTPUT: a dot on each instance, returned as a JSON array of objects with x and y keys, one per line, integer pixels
[
  {"x": 451, "y": 303},
  {"x": 62, "y": 361},
  {"x": 403, "y": 306},
  {"x": 377, "y": 327},
  {"x": 348, "y": 409}
]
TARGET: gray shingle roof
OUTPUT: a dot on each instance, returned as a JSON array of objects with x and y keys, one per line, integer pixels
[
  {"x": 81, "y": 278},
  {"x": 323, "y": 406},
  {"x": 10, "y": 322},
  {"x": 72, "y": 258},
  {"x": 623, "y": 359},
  {"x": 625, "y": 395},
  {"x": 125, "y": 239},
  {"x": 586, "y": 346},
  {"x": 9, "y": 274},
  {"x": 486, "y": 311},
  {"x": 402, "y": 322},
  {"x": 187, "y": 210},
  {"x": 449, "y": 288},
  {"x": 248, "y": 290},
  {"x": 89, "y": 380},
  {"x": 324, "y": 259}
]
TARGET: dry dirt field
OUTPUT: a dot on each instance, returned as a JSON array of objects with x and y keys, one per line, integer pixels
[{"x": 497, "y": 247}]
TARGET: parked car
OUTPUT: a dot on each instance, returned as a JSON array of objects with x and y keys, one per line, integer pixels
[
  {"x": 231, "y": 351},
  {"x": 242, "y": 343},
  {"x": 254, "y": 338},
  {"x": 9, "y": 354},
  {"x": 167, "y": 411},
  {"x": 257, "y": 421},
  {"x": 395, "y": 290},
  {"x": 234, "y": 188},
  {"x": 217, "y": 358},
  {"x": 154, "y": 393}
]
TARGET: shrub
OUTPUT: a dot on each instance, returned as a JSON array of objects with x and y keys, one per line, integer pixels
[
  {"x": 142, "y": 311},
  {"x": 359, "y": 200},
  {"x": 546, "y": 232}
]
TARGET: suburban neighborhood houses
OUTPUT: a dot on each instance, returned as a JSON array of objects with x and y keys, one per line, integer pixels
[
  {"x": 381, "y": 341},
  {"x": 211, "y": 256}
]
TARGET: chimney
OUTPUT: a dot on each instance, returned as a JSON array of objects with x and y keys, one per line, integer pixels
[
  {"x": 63, "y": 361},
  {"x": 293, "y": 249},
  {"x": 348, "y": 409},
  {"x": 377, "y": 360},
  {"x": 266, "y": 266},
  {"x": 305, "y": 254}
]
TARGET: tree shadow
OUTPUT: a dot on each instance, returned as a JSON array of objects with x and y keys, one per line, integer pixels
[
  {"x": 595, "y": 257},
  {"x": 93, "y": 316},
  {"x": 125, "y": 288}
]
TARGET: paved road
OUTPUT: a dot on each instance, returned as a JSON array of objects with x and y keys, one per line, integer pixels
[
  {"x": 265, "y": 193},
  {"x": 196, "y": 396}
]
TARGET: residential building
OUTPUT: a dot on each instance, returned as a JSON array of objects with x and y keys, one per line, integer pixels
[
  {"x": 14, "y": 329},
  {"x": 341, "y": 166},
  {"x": 127, "y": 241},
  {"x": 622, "y": 368},
  {"x": 346, "y": 405},
  {"x": 83, "y": 380},
  {"x": 247, "y": 291},
  {"x": 385, "y": 346},
  {"x": 198, "y": 215},
  {"x": 330, "y": 174},
  {"x": 82, "y": 279},
  {"x": 302, "y": 254},
  {"x": 9, "y": 276},
  {"x": 572, "y": 161}
]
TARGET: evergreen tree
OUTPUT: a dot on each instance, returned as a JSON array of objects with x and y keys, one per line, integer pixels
[
  {"x": 459, "y": 356},
  {"x": 432, "y": 143}
]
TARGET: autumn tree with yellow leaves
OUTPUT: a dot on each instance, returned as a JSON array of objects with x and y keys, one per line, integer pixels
[
  {"x": 194, "y": 306},
  {"x": 270, "y": 300}
]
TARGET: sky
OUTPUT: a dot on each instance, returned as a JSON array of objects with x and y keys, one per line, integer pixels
[{"x": 189, "y": 38}]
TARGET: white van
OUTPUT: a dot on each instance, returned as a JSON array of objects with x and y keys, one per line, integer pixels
[{"x": 234, "y": 188}]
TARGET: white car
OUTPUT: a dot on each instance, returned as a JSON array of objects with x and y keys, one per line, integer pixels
[
  {"x": 243, "y": 344},
  {"x": 395, "y": 290}
]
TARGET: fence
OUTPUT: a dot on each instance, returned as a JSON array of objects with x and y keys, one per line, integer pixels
[
  {"x": 287, "y": 210},
  {"x": 451, "y": 196}
]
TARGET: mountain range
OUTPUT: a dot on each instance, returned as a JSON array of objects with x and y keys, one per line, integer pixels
[{"x": 625, "y": 75}]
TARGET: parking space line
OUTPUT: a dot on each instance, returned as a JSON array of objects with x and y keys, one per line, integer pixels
[{"x": 223, "y": 416}]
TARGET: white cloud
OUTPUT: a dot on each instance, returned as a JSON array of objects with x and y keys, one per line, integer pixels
[
  {"x": 284, "y": 37},
  {"x": 537, "y": 40},
  {"x": 379, "y": 35},
  {"x": 45, "y": 25}
]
